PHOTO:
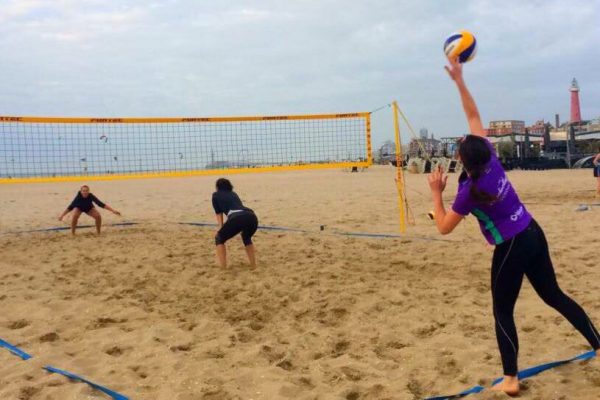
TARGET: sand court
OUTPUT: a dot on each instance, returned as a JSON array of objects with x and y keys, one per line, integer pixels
[{"x": 145, "y": 311}]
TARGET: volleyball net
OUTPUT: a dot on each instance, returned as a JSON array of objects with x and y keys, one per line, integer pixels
[{"x": 62, "y": 149}]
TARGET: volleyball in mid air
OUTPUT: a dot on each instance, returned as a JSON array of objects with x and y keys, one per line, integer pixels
[{"x": 461, "y": 45}]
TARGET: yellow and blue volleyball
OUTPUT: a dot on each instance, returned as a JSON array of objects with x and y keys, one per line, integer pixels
[{"x": 461, "y": 45}]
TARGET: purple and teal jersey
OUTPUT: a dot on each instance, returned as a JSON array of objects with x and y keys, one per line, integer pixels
[{"x": 506, "y": 216}]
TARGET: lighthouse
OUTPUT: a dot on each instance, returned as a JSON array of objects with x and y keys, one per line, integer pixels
[{"x": 575, "y": 109}]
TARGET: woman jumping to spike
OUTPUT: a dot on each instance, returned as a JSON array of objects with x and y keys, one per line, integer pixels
[
  {"x": 84, "y": 203},
  {"x": 521, "y": 247},
  {"x": 239, "y": 219}
]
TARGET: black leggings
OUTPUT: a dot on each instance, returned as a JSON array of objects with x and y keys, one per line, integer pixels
[
  {"x": 241, "y": 221},
  {"x": 527, "y": 254}
]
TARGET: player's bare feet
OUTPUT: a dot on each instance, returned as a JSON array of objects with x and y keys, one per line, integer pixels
[{"x": 508, "y": 385}]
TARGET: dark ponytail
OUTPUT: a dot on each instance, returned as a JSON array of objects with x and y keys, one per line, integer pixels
[
  {"x": 479, "y": 195},
  {"x": 475, "y": 156}
]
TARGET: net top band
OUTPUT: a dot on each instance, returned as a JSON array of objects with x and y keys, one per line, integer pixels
[{"x": 145, "y": 120}]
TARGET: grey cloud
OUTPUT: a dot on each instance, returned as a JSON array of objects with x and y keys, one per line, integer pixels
[{"x": 271, "y": 57}]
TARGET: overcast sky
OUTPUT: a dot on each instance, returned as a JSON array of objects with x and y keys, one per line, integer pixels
[{"x": 218, "y": 58}]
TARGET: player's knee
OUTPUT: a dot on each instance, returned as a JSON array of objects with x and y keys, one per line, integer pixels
[
  {"x": 554, "y": 299},
  {"x": 219, "y": 239},
  {"x": 503, "y": 311}
]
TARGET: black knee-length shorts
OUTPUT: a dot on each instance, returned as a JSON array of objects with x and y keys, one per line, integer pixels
[{"x": 245, "y": 222}]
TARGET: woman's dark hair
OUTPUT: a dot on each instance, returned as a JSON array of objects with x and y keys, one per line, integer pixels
[
  {"x": 224, "y": 184},
  {"x": 475, "y": 156}
]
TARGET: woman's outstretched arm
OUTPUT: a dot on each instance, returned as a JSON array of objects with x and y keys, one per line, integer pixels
[{"x": 469, "y": 105}]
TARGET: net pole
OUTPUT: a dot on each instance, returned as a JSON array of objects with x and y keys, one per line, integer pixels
[
  {"x": 399, "y": 172},
  {"x": 412, "y": 131}
]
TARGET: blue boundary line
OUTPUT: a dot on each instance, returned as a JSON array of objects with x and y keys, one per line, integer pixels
[
  {"x": 281, "y": 228},
  {"x": 66, "y": 228},
  {"x": 15, "y": 350},
  {"x": 24, "y": 356},
  {"x": 524, "y": 374},
  {"x": 263, "y": 227},
  {"x": 586, "y": 206},
  {"x": 349, "y": 234},
  {"x": 111, "y": 393}
]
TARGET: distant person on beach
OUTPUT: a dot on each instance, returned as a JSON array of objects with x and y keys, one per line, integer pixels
[
  {"x": 239, "y": 219},
  {"x": 520, "y": 245},
  {"x": 84, "y": 203},
  {"x": 597, "y": 173}
]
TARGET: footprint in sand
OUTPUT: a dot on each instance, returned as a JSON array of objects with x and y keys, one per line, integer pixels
[
  {"x": 216, "y": 353},
  {"x": 115, "y": 351},
  {"x": 305, "y": 382},
  {"x": 396, "y": 345},
  {"x": 428, "y": 331},
  {"x": 215, "y": 394},
  {"x": 256, "y": 326},
  {"x": 18, "y": 324},
  {"x": 448, "y": 367},
  {"x": 140, "y": 371},
  {"x": 285, "y": 365},
  {"x": 416, "y": 388},
  {"x": 103, "y": 322},
  {"x": 55, "y": 383},
  {"x": 352, "y": 373},
  {"x": 340, "y": 348},
  {"x": 352, "y": 395},
  {"x": 245, "y": 335},
  {"x": 49, "y": 337},
  {"x": 181, "y": 347},
  {"x": 591, "y": 372},
  {"x": 28, "y": 392},
  {"x": 271, "y": 354}
]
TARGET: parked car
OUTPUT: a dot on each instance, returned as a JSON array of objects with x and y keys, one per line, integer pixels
[{"x": 585, "y": 162}]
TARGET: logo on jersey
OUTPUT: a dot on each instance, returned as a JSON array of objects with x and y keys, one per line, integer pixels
[
  {"x": 503, "y": 188},
  {"x": 517, "y": 214}
]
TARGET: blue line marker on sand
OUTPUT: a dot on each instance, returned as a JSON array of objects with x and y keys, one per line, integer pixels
[
  {"x": 24, "y": 356},
  {"x": 263, "y": 227},
  {"x": 111, "y": 393},
  {"x": 66, "y": 228},
  {"x": 524, "y": 374},
  {"x": 350, "y": 234},
  {"x": 15, "y": 350},
  {"x": 281, "y": 228}
]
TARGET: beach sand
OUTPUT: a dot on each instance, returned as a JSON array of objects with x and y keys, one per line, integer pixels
[{"x": 145, "y": 311}]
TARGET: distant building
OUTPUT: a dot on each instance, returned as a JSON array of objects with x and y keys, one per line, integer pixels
[
  {"x": 506, "y": 127},
  {"x": 539, "y": 127},
  {"x": 387, "y": 152},
  {"x": 431, "y": 146},
  {"x": 564, "y": 140}
]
